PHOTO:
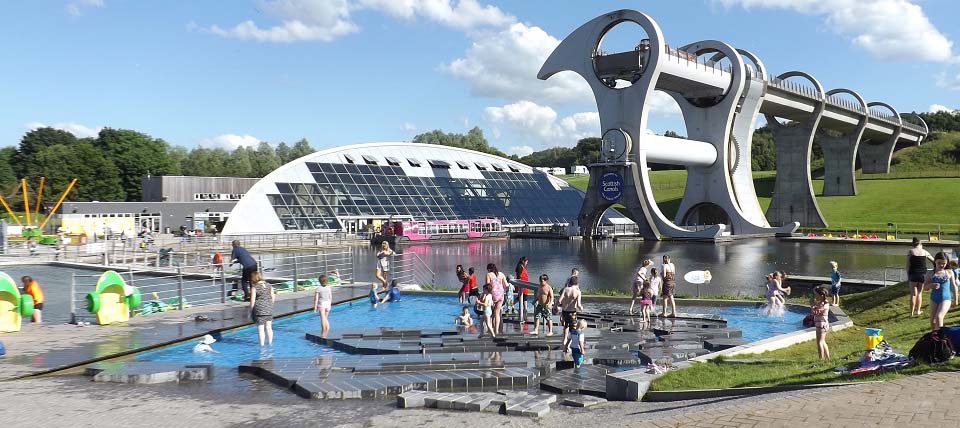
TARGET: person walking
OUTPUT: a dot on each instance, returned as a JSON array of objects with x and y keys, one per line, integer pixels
[
  {"x": 543, "y": 299},
  {"x": 322, "y": 302},
  {"x": 261, "y": 304},
  {"x": 669, "y": 286},
  {"x": 484, "y": 310},
  {"x": 32, "y": 287},
  {"x": 383, "y": 263},
  {"x": 464, "y": 281},
  {"x": 521, "y": 292},
  {"x": 916, "y": 273},
  {"x": 498, "y": 284},
  {"x": 943, "y": 286},
  {"x": 248, "y": 265},
  {"x": 570, "y": 303}
]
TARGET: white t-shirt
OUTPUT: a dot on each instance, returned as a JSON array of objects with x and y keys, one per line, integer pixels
[
  {"x": 325, "y": 294},
  {"x": 656, "y": 284},
  {"x": 642, "y": 274}
]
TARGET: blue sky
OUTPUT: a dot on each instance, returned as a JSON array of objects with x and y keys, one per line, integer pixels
[{"x": 350, "y": 71}]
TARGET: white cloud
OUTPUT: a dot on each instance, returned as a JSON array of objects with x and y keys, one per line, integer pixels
[
  {"x": 229, "y": 141},
  {"x": 326, "y": 20},
  {"x": 520, "y": 150},
  {"x": 542, "y": 123},
  {"x": 407, "y": 126},
  {"x": 75, "y": 7},
  {"x": 889, "y": 30},
  {"x": 948, "y": 81},
  {"x": 936, "y": 108},
  {"x": 78, "y": 130}
]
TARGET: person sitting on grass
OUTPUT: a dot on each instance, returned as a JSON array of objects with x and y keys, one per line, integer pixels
[
  {"x": 393, "y": 295},
  {"x": 576, "y": 342},
  {"x": 821, "y": 313},
  {"x": 464, "y": 319}
]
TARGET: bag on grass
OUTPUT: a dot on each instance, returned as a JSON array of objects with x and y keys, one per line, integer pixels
[{"x": 932, "y": 348}]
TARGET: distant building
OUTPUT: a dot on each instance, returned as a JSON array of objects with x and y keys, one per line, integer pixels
[
  {"x": 552, "y": 170},
  {"x": 178, "y": 188},
  {"x": 579, "y": 169}
]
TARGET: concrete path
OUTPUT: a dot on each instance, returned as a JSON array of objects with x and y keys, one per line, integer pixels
[
  {"x": 37, "y": 348},
  {"x": 916, "y": 402}
]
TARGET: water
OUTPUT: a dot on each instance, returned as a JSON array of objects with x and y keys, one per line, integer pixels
[
  {"x": 738, "y": 267},
  {"x": 241, "y": 345}
]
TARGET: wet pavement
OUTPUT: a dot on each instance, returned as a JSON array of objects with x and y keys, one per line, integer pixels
[{"x": 39, "y": 348}]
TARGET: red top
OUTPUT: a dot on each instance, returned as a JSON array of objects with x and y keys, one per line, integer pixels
[
  {"x": 473, "y": 282},
  {"x": 523, "y": 277}
]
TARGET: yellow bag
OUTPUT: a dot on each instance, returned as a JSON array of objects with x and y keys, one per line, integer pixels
[{"x": 873, "y": 341}]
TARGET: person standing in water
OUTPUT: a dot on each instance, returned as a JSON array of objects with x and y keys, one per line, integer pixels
[
  {"x": 322, "y": 303},
  {"x": 638, "y": 281},
  {"x": 917, "y": 273},
  {"x": 498, "y": 283},
  {"x": 261, "y": 304},
  {"x": 464, "y": 284},
  {"x": 669, "y": 285},
  {"x": 521, "y": 292},
  {"x": 570, "y": 303},
  {"x": 541, "y": 312},
  {"x": 383, "y": 263}
]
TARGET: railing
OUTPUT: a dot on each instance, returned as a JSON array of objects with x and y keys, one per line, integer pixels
[
  {"x": 299, "y": 267},
  {"x": 409, "y": 268},
  {"x": 897, "y": 276}
]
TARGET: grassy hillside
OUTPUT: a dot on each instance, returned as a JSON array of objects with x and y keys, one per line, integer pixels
[{"x": 917, "y": 195}]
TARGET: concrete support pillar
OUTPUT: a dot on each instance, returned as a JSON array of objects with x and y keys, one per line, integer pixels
[
  {"x": 594, "y": 204},
  {"x": 839, "y": 163},
  {"x": 875, "y": 155},
  {"x": 793, "y": 198}
]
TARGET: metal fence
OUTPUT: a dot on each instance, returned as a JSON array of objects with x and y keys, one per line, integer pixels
[{"x": 409, "y": 268}]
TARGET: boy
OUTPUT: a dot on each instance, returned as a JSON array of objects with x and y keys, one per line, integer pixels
[
  {"x": 464, "y": 319},
  {"x": 542, "y": 299},
  {"x": 577, "y": 342},
  {"x": 835, "y": 279},
  {"x": 374, "y": 299},
  {"x": 31, "y": 287}
]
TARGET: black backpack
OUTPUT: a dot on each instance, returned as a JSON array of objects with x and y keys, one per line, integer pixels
[{"x": 932, "y": 348}]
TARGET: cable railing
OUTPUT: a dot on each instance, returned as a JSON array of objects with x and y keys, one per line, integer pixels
[{"x": 409, "y": 268}]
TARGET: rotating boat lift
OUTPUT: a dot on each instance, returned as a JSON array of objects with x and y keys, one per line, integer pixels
[{"x": 719, "y": 106}]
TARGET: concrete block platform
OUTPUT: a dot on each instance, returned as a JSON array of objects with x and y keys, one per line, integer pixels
[
  {"x": 145, "y": 373},
  {"x": 508, "y": 403}
]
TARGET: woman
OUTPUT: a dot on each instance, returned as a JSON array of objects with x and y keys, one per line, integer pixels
[
  {"x": 943, "y": 284},
  {"x": 669, "y": 285},
  {"x": 464, "y": 284},
  {"x": 498, "y": 284},
  {"x": 522, "y": 275},
  {"x": 383, "y": 263},
  {"x": 261, "y": 303},
  {"x": 484, "y": 309},
  {"x": 322, "y": 302},
  {"x": 916, "y": 273}
]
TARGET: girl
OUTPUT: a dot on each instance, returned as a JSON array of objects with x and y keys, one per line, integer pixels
[
  {"x": 485, "y": 310},
  {"x": 383, "y": 263},
  {"x": 464, "y": 284},
  {"x": 646, "y": 301},
  {"x": 261, "y": 303},
  {"x": 321, "y": 304},
  {"x": 821, "y": 312},
  {"x": 656, "y": 286},
  {"x": 638, "y": 281},
  {"x": 835, "y": 279},
  {"x": 464, "y": 319},
  {"x": 943, "y": 284},
  {"x": 522, "y": 275},
  {"x": 498, "y": 282}
]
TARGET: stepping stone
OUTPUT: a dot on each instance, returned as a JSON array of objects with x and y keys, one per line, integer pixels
[
  {"x": 587, "y": 379},
  {"x": 582, "y": 400},
  {"x": 146, "y": 372}
]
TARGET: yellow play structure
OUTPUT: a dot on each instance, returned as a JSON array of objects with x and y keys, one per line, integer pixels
[
  {"x": 30, "y": 230},
  {"x": 14, "y": 306},
  {"x": 112, "y": 299}
]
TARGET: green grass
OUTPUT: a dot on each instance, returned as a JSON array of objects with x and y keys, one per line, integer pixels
[
  {"x": 904, "y": 201},
  {"x": 886, "y": 308}
]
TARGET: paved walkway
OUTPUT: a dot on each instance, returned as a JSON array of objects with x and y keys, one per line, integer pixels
[
  {"x": 37, "y": 348},
  {"x": 916, "y": 402}
]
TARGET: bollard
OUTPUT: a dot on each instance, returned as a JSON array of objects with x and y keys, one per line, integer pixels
[{"x": 179, "y": 288}]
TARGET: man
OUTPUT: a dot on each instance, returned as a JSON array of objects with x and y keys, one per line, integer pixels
[
  {"x": 542, "y": 302},
  {"x": 249, "y": 264},
  {"x": 574, "y": 273},
  {"x": 570, "y": 304}
]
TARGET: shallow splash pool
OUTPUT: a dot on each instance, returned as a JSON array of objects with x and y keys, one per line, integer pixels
[{"x": 238, "y": 346}]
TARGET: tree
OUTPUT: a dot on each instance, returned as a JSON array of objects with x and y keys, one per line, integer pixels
[
  {"x": 284, "y": 152},
  {"x": 206, "y": 162},
  {"x": 473, "y": 140},
  {"x": 35, "y": 141},
  {"x": 8, "y": 177},
  {"x": 239, "y": 164},
  {"x": 136, "y": 155},
  {"x": 300, "y": 149},
  {"x": 263, "y": 160},
  {"x": 941, "y": 121},
  {"x": 98, "y": 179},
  {"x": 177, "y": 156}
]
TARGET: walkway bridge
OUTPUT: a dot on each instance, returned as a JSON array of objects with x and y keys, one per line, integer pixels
[{"x": 721, "y": 91}]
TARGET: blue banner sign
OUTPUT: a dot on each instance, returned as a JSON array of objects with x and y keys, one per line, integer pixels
[{"x": 611, "y": 186}]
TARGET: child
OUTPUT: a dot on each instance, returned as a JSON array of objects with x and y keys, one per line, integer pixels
[
  {"x": 374, "y": 299},
  {"x": 204, "y": 345},
  {"x": 835, "y": 283},
  {"x": 484, "y": 310},
  {"x": 508, "y": 303},
  {"x": 464, "y": 319},
  {"x": 577, "y": 343},
  {"x": 32, "y": 287},
  {"x": 393, "y": 295},
  {"x": 646, "y": 300},
  {"x": 821, "y": 313}
]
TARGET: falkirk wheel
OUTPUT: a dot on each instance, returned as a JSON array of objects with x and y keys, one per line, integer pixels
[{"x": 720, "y": 102}]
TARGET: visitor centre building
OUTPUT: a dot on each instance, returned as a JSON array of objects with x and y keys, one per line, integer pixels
[{"x": 359, "y": 187}]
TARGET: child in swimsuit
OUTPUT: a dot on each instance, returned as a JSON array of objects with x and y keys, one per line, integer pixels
[
  {"x": 577, "y": 342},
  {"x": 821, "y": 313}
]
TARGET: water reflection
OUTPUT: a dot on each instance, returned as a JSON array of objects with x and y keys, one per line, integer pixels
[{"x": 738, "y": 267}]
